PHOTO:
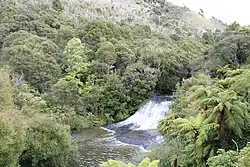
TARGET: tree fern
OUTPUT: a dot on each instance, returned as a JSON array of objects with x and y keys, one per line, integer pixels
[{"x": 227, "y": 110}]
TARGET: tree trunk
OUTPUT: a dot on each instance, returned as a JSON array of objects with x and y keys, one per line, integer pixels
[
  {"x": 221, "y": 122},
  {"x": 195, "y": 163},
  {"x": 175, "y": 164}
]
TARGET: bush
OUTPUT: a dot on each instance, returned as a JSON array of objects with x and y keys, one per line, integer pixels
[
  {"x": 33, "y": 57},
  {"x": 166, "y": 152},
  {"x": 244, "y": 157},
  {"x": 76, "y": 122},
  {"x": 48, "y": 144},
  {"x": 12, "y": 132},
  {"x": 145, "y": 163},
  {"x": 223, "y": 159}
]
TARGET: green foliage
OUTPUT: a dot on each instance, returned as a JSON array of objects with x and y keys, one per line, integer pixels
[
  {"x": 209, "y": 114},
  {"x": 196, "y": 131},
  {"x": 168, "y": 152},
  {"x": 223, "y": 159},
  {"x": 145, "y": 163},
  {"x": 243, "y": 157},
  {"x": 56, "y": 4},
  {"x": 65, "y": 34},
  {"x": 12, "y": 128},
  {"x": 26, "y": 97},
  {"x": 210, "y": 37},
  {"x": 95, "y": 31},
  {"x": 74, "y": 58},
  {"x": 63, "y": 94},
  {"x": 13, "y": 138},
  {"x": 139, "y": 81},
  {"x": 106, "y": 53},
  {"x": 125, "y": 62},
  {"x": 23, "y": 16},
  {"x": 70, "y": 70},
  {"x": 231, "y": 48},
  {"x": 125, "y": 55},
  {"x": 76, "y": 122},
  {"x": 33, "y": 57},
  {"x": 6, "y": 100},
  {"x": 230, "y": 158},
  {"x": 29, "y": 138},
  {"x": 48, "y": 144}
]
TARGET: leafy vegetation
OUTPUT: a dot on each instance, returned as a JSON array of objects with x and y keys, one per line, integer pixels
[
  {"x": 93, "y": 71},
  {"x": 210, "y": 115},
  {"x": 65, "y": 66},
  {"x": 28, "y": 137},
  {"x": 145, "y": 163}
]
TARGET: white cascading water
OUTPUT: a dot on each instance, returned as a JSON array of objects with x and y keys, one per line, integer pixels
[{"x": 148, "y": 116}]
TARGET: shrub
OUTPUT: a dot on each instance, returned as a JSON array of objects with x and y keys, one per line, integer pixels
[
  {"x": 48, "y": 144},
  {"x": 145, "y": 163},
  {"x": 12, "y": 132}
]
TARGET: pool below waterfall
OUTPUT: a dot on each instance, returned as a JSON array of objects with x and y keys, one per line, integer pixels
[{"x": 125, "y": 140}]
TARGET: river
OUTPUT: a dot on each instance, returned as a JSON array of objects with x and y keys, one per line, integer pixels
[{"x": 128, "y": 140}]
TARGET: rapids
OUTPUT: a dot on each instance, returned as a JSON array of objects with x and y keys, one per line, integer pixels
[{"x": 124, "y": 140}]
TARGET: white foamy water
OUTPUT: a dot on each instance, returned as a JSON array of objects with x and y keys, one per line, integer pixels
[
  {"x": 108, "y": 130},
  {"x": 148, "y": 116},
  {"x": 122, "y": 142}
]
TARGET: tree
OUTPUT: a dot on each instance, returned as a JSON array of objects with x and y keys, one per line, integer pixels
[
  {"x": 139, "y": 81},
  {"x": 233, "y": 27},
  {"x": 238, "y": 81},
  {"x": 56, "y": 4},
  {"x": 74, "y": 59},
  {"x": 13, "y": 138},
  {"x": 13, "y": 127},
  {"x": 28, "y": 98},
  {"x": 33, "y": 57},
  {"x": 210, "y": 37},
  {"x": 6, "y": 99},
  {"x": 125, "y": 56},
  {"x": 106, "y": 53},
  {"x": 232, "y": 49},
  {"x": 227, "y": 111},
  {"x": 95, "y": 31},
  {"x": 65, "y": 34},
  {"x": 48, "y": 144},
  {"x": 16, "y": 17},
  {"x": 230, "y": 158},
  {"x": 64, "y": 95},
  {"x": 197, "y": 131}
]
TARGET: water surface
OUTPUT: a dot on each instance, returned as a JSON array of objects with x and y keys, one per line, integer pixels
[{"x": 127, "y": 141}]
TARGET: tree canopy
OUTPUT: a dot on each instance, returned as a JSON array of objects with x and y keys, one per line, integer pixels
[{"x": 67, "y": 65}]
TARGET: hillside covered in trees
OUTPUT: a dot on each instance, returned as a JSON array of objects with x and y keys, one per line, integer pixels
[{"x": 68, "y": 65}]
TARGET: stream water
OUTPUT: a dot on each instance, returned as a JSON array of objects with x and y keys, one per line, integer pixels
[{"x": 127, "y": 140}]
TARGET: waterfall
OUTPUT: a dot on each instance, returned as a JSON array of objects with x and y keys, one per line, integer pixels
[
  {"x": 148, "y": 116},
  {"x": 123, "y": 140}
]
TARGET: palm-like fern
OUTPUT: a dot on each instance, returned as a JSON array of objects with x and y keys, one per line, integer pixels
[
  {"x": 200, "y": 92},
  {"x": 227, "y": 111},
  {"x": 222, "y": 107},
  {"x": 195, "y": 129}
]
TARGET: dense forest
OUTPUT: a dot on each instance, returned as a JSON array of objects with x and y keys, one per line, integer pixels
[{"x": 64, "y": 66}]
